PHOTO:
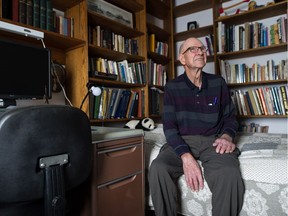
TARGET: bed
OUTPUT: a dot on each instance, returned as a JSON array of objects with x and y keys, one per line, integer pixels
[{"x": 264, "y": 167}]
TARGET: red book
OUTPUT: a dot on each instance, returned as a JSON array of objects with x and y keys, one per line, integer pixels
[{"x": 15, "y": 10}]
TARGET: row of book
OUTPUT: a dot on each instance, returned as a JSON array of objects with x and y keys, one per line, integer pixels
[
  {"x": 251, "y": 35},
  {"x": 157, "y": 73},
  {"x": 124, "y": 71},
  {"x": 117, "y": 103},
  {"x": 40, "y": 14},
  {"x": 261, "y": 101},
  {"x": 254, "y": 128},
  {"x": 156, "y": 46},
  {"x": 104, "y": 37},
  {"x": 241, "y": 73},
  {"x": 155, "y": 101}
]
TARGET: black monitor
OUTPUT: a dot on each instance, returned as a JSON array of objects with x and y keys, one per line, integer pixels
[{"x": 24, "y": 71}]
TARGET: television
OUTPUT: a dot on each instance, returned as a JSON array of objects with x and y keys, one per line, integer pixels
[{"x": 24, "y": 72}]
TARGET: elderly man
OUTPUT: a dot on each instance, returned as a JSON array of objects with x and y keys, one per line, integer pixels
[{"x": 199, "y": 124}]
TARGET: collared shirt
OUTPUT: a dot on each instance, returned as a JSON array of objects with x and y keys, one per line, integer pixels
[{"x": 189, "y": 110}]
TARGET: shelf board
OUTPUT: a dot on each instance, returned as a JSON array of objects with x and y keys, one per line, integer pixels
[
  {"x": 255, "y": 51},
  {"x": 262, "y": 116},
  {"x": 157, "y": 8},
  {"x": 191, "y": 7},
  {"x": 51, "y": 39},
  {"x": 161, "y": 34},
  {"x": 198, "y": 32},
  {"x": 256, "y": 14},
  {"x": 113, "y": 55},
  {"x": 129, "y": 5},
  {"x": 113, "y": 83},
  {"x": 258, "y": 83},
  {"x": 63, "y": 5},
  {"x": 118, "y": 28},
  {"x": 160, "y": 59}
]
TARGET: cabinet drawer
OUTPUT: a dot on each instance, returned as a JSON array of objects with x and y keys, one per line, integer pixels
[
  {"x": 123, "y": 197},
  {"x": 118, "y": 162}
]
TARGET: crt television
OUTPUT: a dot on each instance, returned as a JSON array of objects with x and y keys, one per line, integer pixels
[{"x": 24, "y": 71}]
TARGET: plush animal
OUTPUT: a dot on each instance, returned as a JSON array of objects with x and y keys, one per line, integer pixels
[{"x": 146, "y": 124}]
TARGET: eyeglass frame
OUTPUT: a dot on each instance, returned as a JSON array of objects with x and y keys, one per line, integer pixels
[{"x": 197, "y": 49}]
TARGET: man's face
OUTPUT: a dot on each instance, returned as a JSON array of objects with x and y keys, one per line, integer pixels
[{"x": 193, "y": 54}]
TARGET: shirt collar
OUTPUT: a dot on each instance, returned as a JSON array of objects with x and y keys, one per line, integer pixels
[{"x": 191, "y": 85}]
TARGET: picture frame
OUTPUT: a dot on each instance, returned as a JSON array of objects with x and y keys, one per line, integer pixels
[
  {"x": 111, "y": 12},
  {"x": 192, "y": 25}
]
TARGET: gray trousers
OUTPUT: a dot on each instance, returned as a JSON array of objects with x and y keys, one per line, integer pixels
[{"x": 221, "y": 172}]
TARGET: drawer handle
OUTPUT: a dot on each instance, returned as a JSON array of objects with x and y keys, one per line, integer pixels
[
  {"x": 121, "y": 183},
  {"x": 121, "y": 152}
]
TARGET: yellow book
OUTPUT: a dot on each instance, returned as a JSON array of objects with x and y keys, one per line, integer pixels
[{"x": 152, "y": 42}]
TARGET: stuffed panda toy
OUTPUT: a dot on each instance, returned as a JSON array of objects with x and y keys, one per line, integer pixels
[{"x": 146, "y": 124}]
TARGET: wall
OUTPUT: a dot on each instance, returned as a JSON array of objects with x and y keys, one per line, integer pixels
[{"x": 204, "y": 18}]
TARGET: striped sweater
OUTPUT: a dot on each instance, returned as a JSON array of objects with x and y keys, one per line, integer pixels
[{"x": 189, "y": 110}]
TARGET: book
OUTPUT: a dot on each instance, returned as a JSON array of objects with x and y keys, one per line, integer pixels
[
  {"x": 263, "y": 101},
  {"x": 118, "y": 98},
  {"x": 22, "y": 11},
  {"x": 152, "y": 43},
  {"x": 42, "y": 19},
  {"x": 283, "y": 90},
  {"x": 49, "y": 16},
  {"x": 254, "y": 102},
  {"x": 36, "y": 13},
  {"x": 6, "y": 9},
  {"x": 29, "y": 12}
]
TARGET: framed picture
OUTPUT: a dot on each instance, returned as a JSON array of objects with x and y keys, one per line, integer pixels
[
  {"x": 111, "y": 12},
  {"x": 192, "y": 25}
]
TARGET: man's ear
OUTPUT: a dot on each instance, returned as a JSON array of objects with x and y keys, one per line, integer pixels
[{"x": 181, "y": 59}]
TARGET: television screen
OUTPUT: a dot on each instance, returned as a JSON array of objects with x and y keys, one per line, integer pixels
[{"x": 24, "y": 71}]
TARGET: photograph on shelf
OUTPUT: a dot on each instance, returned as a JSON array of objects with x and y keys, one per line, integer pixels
[
  {"x": 192, "y": 25},
  {"x": 111, "y": 12}
]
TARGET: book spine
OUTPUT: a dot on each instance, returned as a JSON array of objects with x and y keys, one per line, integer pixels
[
  {"x": 36, "y": 13},
  {"x": 22, "y": 11},
  {"x": 29, "y": 12},
  {"x": 15, "y": 10},
  {"x": 49, "y": 16},
  {"x": 43, "y": 14}
]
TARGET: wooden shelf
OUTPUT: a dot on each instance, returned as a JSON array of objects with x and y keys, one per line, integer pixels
[
  {"x": 256, "y": 14},
  {"x": 63, "y": 5},
  {"x": 191, "y": 7},
  {"x": 159, "y": 59},
  {"x": 51, "y": 39},
  {"x": 160, "y": 34},
  {"x": 157, "y": 8},
  {"x": 199, "y": 32},
  {"x": 113, "y": 55},
  {"x": 129, "y": 5},
  {"x": 254, "y": 52},
  {"x": 262, "y": 116},
  {"x": 118, "y": 28},
  {"x": 258, "y": 83},
  {"x": 114, "y": 83}
]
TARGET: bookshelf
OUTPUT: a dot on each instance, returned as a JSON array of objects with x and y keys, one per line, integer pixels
[
  {"x": 257, "y": 18},
  {"x": 160, "y": 51},
  {"x": 257, "y": 15}
]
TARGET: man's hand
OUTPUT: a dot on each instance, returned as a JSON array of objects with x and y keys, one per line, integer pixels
[
  {"x": 224, "y": 144},
  {"x": 192, "y": 172}
]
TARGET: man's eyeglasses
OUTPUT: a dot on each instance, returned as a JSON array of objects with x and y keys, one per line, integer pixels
[{"x": 195, "y": 49}]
